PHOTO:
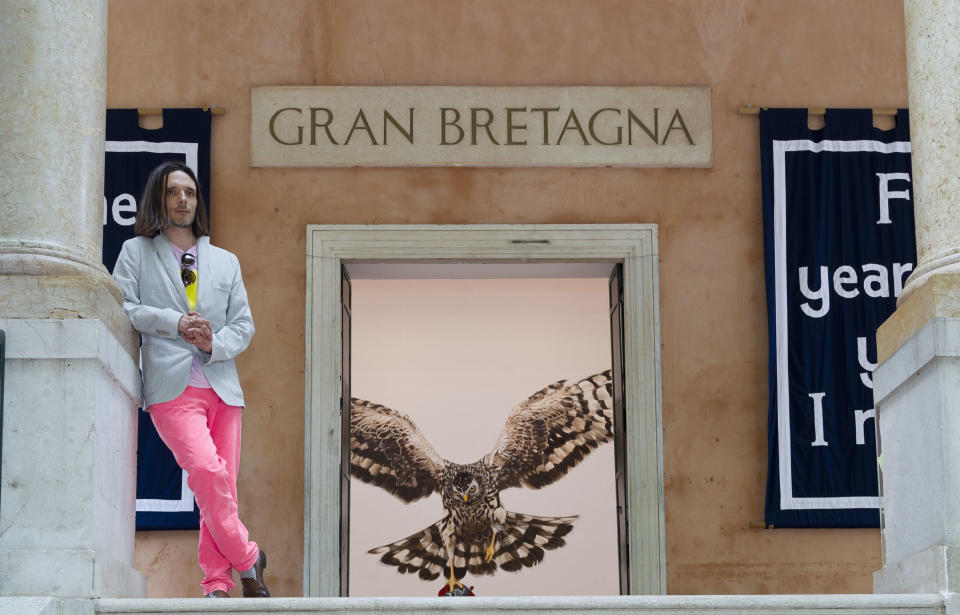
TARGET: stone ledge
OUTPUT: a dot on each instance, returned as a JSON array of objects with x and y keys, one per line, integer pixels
[
  {"x": 77, "y": 573},
  {"x": 832, "y": 604},
  {"x": 935, "y": 339},
  {"x": 33, "y": 606},
  {"x": 45, "y": 283},
  {"x": 57, "y": 339},
  {"x": 29, "y": 572},
  {"x": 938, "y": 295},
  {"x": 930, "y": 570}
]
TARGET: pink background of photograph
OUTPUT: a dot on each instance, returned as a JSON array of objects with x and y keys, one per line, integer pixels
[{"x": 457, "y": 355}]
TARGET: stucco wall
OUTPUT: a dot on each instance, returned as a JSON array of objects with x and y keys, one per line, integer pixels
[{"x": 841, "y": 53}]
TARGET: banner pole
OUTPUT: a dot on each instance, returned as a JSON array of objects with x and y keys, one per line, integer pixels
[{"x": 749, "y": 109}]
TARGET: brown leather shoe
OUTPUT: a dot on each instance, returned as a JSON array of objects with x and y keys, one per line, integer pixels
[
  {"x": 218, "y": 593},
  {"x": 256, "y": 588}
]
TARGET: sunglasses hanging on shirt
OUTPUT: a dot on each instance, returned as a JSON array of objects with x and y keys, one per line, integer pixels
[{"x": 188, "y": 275}]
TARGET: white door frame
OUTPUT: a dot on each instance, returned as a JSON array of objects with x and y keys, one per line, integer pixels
[{"x": 634, "y": 245}]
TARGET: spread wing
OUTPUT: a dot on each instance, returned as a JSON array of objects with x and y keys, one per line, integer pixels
[
  {"x": 553, "y": 431},
  {"x": 388, "y": 450}
]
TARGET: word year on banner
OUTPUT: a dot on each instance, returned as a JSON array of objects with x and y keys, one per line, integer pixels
[{"x": 839, "y": 244}]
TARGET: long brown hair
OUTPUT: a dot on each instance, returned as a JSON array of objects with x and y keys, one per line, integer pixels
[{"x": 152, "y": 214}]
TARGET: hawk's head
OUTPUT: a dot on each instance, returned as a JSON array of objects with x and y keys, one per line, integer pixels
[{"x": 466, "y": 483}]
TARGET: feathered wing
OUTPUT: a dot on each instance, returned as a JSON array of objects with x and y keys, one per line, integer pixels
[
  {"x": 388, "y": 450},
  {"x": 524, "y": 539},
  {"x": 552, "y": 431},
  {"x": 421, "y": 553},
  {"x": 521, "y": 544}
]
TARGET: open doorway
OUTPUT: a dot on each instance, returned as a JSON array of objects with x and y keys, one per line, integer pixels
[
  {"x": 632, "y": 247},
  {"x": 456, "y": 347}
]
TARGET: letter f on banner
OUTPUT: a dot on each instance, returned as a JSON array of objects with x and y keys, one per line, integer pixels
[{"x": 886, "y": 195}]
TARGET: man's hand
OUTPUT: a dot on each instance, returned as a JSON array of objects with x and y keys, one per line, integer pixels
[{"x": 196, "y": 330}]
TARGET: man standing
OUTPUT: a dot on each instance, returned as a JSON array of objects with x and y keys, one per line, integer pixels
[{"x": 187, "y": 300}]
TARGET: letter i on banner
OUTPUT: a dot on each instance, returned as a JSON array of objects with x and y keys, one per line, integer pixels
[{"x": 818, "y": 419}]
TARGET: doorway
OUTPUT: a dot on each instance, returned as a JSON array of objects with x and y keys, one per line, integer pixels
[
  {"x": 456, "y": 348},
  {"x": 633, "y": 247}
]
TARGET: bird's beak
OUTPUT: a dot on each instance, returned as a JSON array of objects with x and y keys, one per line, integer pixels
[{"x": 464, "y": 497}]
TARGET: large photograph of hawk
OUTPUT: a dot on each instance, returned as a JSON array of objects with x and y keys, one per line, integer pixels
[{"x": 544, "y": 437}]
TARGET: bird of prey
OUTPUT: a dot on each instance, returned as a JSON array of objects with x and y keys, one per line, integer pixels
[{"x": 544, "y": 437}]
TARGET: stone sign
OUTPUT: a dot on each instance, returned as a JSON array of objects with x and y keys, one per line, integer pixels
[{"x": 385, "y": 126}]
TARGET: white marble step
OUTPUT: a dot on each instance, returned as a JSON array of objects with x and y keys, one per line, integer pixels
[{"x": 833, "y": 604}]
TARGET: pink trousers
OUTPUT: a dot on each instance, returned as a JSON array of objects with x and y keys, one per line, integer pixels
[{"x": 203, "y": 433}]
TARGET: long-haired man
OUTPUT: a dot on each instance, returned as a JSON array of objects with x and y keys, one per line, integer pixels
[{"x": 186, "y": 298}]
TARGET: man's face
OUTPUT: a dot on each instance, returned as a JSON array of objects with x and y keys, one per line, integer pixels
[{"x": 180, "y": 200}]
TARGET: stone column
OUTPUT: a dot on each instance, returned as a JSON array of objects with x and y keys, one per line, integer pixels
[
  {"x": 917, "y": 384},
  {"x": 933, "y": 67},
  {"x": 67, "y": 493},
  {"x": 51, "y": 161}
]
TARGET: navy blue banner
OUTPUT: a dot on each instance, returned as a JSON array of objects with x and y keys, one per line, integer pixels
[
  {"x": 163, "y": 499},
  {"x": 838, "y": 246}
]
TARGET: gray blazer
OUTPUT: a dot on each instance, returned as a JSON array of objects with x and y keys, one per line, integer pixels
[{"x": 154, "y": 298}]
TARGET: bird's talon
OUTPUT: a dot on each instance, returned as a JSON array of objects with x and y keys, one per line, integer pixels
[
  {"x": 488, "y": 551},
  {"x": 452, "y": 582}
]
